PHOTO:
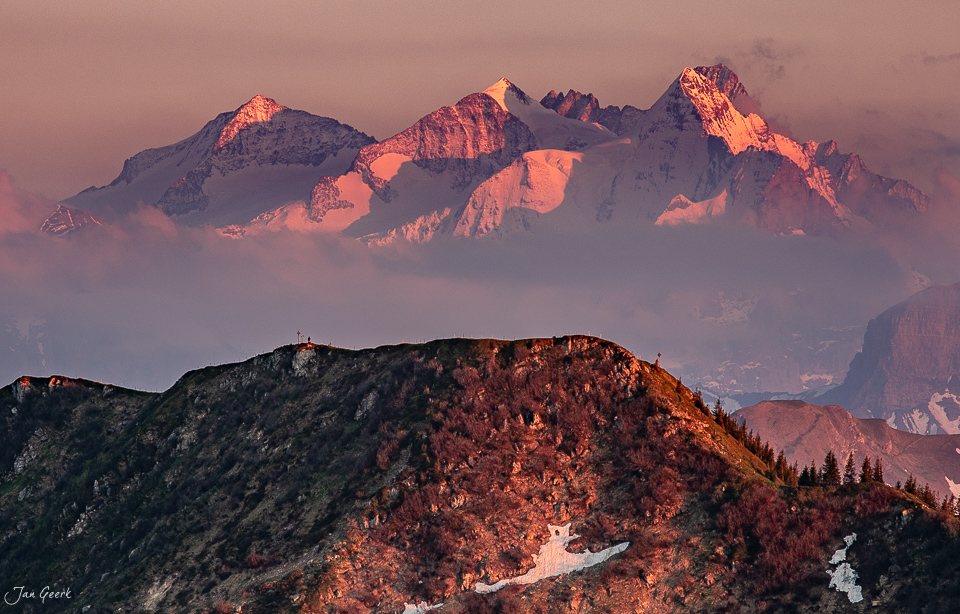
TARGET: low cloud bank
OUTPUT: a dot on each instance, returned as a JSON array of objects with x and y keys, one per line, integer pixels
[{"x": 142, "y": 301}]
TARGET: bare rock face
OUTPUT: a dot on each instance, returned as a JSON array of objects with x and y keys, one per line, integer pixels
[
  {"x": 861, "y": 189},
  {"x": 807, "y": 432},
  {"x": 908, "y": 372},
  {"x": 66, "y": 220},
  {"x": 725, "y": 79}
]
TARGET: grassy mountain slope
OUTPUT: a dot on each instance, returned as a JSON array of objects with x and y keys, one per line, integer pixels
[{"x": 315, "y": 479}]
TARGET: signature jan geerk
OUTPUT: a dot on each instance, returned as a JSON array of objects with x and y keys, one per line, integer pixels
[{"x": 21, "y": 592}]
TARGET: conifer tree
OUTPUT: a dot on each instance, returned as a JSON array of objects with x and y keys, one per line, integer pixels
[
  {"x": 814, "y": 474},
  {"x": 878, "y": 471},
  {"x": 910, "y": 486},
  {"x": 781, "y": 466},
  {"x": 718, "y": 411},
  {"x": 849, "y": 473},
  {"x": 831, "y": 470},
  {"x": 866, "y": 471}
]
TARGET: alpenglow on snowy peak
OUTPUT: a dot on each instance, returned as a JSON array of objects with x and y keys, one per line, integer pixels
[
  {"x": 499, "y": 162},
  {"x": 240, "y": 164}
]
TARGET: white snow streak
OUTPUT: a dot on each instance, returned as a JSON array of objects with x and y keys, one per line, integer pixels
[
  {"x": 554, "y": 560},
  {"x": 844, "y": 578},
  {"x": 420, "y": 608},
  {"x": 953, "y": 486}
]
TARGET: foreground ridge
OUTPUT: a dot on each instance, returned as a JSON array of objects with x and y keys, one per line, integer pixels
[{"x": 403, "y": 478}]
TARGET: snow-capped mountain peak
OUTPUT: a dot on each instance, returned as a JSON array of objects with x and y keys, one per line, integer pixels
[
  {"x": 499, "y": 161},
  {"x": 509, "y": 96},
  {"x": 721, "y": 118},
  {"x": 498, "y": 91},
  {"x": 240, "y": 164},
  {"x": 552, "y": 130},
  {"x": 258, "y": 109}
]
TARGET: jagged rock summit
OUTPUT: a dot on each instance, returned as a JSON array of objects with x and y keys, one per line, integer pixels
[
  {"x": 240, "y": 164},
  {"x": 698, "y": 155}
]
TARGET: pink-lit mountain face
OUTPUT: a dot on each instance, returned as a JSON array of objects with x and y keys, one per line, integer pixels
[
  {"x": 240, "y": 164},
  {"x": 908, "y": 372},
  {"x": 694, "y": 157},
  {"x": 498, "y": 162}
]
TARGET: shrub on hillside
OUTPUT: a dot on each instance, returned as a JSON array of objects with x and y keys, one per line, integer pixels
[{"x": 777, "y": 540}]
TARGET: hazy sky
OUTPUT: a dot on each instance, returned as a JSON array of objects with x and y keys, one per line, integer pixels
[{"x": 88, "y": 84}]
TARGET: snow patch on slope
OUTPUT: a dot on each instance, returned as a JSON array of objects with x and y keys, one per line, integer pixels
[
  {"x": 537, "y": 181},
  {"x": 938, "y": 411},
  {"x": 554, "y": 560},
  {"x": 953, "y": 486},
  {"x": 940, "y": 414},
  {"x": 388, "y": 165},
  {"x": 844, "y": 578},
  {"x": 682, "y": 210},
  {"x": 419, "y": 608}
]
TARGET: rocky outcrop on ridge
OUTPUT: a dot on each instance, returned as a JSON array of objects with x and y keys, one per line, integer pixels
[{"x": 586, "y": 108}]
